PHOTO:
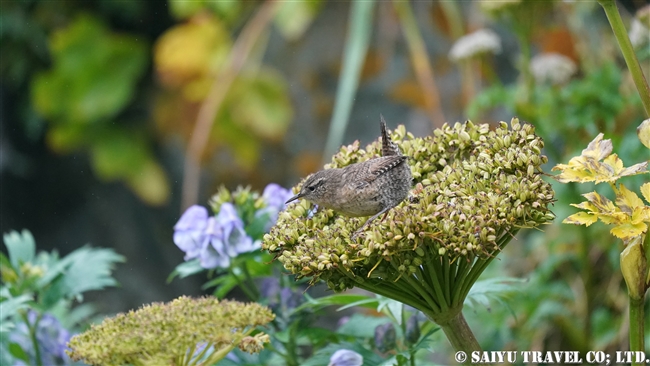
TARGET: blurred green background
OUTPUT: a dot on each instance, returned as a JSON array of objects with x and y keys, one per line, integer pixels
[{"x": 100, "y": 101}]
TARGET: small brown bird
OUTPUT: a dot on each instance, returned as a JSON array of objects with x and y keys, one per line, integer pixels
[{"x": 368, "y": 188}]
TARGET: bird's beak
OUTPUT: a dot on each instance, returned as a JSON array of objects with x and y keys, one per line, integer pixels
[{"x": 299, "y": 195}]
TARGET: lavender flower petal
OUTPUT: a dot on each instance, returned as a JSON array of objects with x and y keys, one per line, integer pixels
[
  {"x": 189, "y": 231},
  {"x": 345, "y": 357}
]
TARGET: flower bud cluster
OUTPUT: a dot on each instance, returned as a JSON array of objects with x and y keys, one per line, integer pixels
[
  {"x": 474, "y": 186},
  {"x": 162, "y": 333}
]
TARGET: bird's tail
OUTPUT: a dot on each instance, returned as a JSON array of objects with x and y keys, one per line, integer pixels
[{"x": 388, "y": 147}]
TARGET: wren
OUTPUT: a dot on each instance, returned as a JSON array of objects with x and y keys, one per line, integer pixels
[{"x": 368, "y": 188}]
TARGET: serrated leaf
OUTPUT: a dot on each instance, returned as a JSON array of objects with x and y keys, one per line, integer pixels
[
  {"x": 83, "y": 270},
  {"x": 627, "y": 200},
  {"x": 645, "y": 191},
  {"x": 602, "y": 203},
  {"x": 581, "y": 218},
  {"x": 598, "y": 148},
  {"x": 21, "y": 247},
  {"x": 588, "y": 166},
  {"x": 628, "y": 230},
  {"x": 643, "y": 131}
]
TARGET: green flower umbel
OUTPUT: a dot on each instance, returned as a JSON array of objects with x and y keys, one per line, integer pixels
[
  {"x": 475, "y": 189},
  {"x": 184, "y": 331}
]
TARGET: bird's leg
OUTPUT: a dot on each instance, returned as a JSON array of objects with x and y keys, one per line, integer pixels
[{"x": 359, "y": 230}]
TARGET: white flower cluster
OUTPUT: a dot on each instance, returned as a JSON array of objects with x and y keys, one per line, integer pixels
[
  {"x": 476, "y": 43},
  {"x": 553, "y": 68}
]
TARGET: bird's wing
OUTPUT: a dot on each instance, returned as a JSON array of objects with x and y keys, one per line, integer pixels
[{"x": 378, "y": 167}]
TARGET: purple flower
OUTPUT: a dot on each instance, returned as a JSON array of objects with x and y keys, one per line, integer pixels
[
  {"x": 189, "y": 231},
  {"x": 214, "y": 240},
  {"x": 275, "y": 196},
  {"x": 345, "y": 357},
  {"x": 226, "y": 238},
  {"x": 52, "y": 339}
]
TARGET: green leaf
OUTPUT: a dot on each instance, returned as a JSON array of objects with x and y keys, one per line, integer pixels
[
  {"x": 21, "y": 247},
  {"x": 10, "y": 307},
  {"x": 498, "y": 289},
  {"x": 186, "y": 269},
  {"x": 224, "y": 284},
  {"x": 260, "y": 103},
  {"x": 347, "y": 300},
  {"x": 362, "y": 326},
  {"x": 17, "y": 351},
  {"x": 94, "y": 73},
  {"x": 83, "y": 270}
]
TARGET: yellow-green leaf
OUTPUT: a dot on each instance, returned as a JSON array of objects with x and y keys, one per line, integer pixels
[
  {"x": 293, "y": 17},
  {"x": 150, "y": 183},
  {"x": 598, "y": 148},
  {"x": 633, "y": 267},
  {"x": 627, "y": 200},
  {"x": 602, "y": 203},
  {"x": 581, "y": 218},
  {"x": 643, "y": 131},
  {"x": 645, "y": 191},
  {"x": 628, "y": 230}
]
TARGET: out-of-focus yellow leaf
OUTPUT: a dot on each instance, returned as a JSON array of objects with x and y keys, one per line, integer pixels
[
  {"x": 195, "y": 49},
  {"x": 645, "y": 191},
  {"x": 182, "y": 9},
  {"x": 66, "y": 138},
  {"x": 581, "y": 218},
  {"x": 245, "y": 147},
  {"x": 261, "y": 103},
  {"x": 150, "y": 183},
  {"x": 125, "y": 155},
  {"x": 294, "y": 17},
  {"x": 643, "y": 131}
]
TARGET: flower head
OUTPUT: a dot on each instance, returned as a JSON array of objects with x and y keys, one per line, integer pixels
[
  {"x": 553, "y": 68},
  {"x": 477, "y": 43},
  {"x": 476, "y": 188},
  {"x": 345, "y": 357},
  {"x": 164, "y": 333},
  {"x": 214, "y": 240}
]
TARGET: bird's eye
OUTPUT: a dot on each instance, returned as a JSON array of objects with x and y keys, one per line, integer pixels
[{"x": 311, "y": 188}]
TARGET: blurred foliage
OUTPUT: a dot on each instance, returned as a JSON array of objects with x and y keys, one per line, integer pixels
[
  {"x": 41, "y": 293},
  {"x": 92, "y": 80},
  {"x": 256, "y": 107}
]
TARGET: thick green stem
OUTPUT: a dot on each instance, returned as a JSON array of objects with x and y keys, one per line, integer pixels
[
  {"x": 460, "y": 335},
  {"x": 637, "y": 326},
  {"x": 628, "y": 51}
]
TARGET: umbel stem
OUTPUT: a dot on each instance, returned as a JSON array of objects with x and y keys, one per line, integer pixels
[{"x": 438, "y": 288}]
